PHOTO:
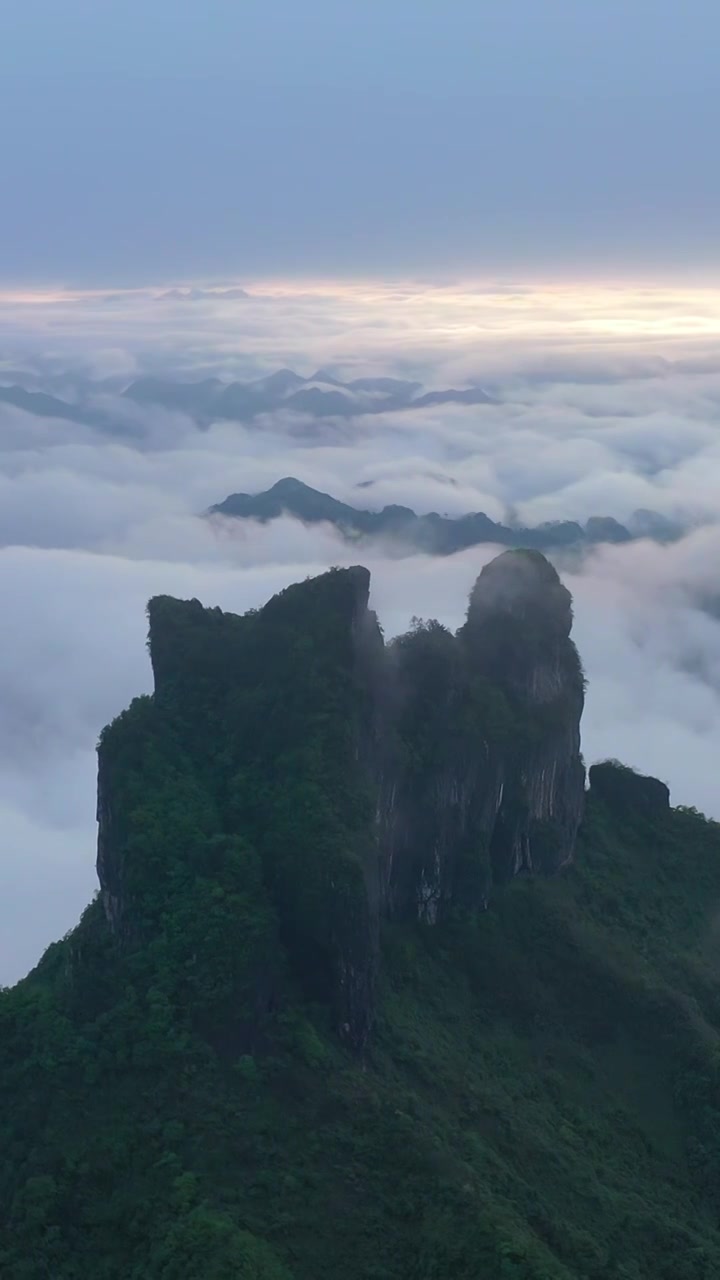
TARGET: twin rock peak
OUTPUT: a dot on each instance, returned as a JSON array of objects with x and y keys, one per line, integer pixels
[{"x": 371, "y": 780}]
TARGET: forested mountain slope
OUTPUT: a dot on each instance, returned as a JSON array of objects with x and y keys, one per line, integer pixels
[{"x": 373, "y": 987}]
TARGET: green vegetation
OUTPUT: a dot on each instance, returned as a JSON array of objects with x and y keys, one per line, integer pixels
[{"x": 538, "y": 1098}]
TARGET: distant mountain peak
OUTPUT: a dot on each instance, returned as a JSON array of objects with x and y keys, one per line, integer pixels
[
  {"x": 282, "y": 380},
  {"x": 432, "y": 533},
  {"x": 200, "y": 295},
  {"x": 290, "y": 485}
]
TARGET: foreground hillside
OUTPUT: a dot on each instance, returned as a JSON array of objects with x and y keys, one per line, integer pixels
[{"x": 371, "y": 988}]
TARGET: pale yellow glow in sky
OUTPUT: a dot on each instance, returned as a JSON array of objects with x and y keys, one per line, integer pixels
[
  {"x": 618, "y": 310},
  {"x": 614, "y": 310},
  {"x": 472, "y": 328}
]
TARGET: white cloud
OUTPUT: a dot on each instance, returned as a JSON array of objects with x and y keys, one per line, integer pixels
[{"x": 94, "y": 522}]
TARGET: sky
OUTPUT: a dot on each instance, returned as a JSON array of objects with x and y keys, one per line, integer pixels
[
  {"x": 519, "y": 195},
  {"x": 143, "y": 142}
]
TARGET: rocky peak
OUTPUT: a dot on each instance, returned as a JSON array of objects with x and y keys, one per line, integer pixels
[
  {"x": 367, "y": 780},
  {"x": 490, "y": 781},
  {"x": 340, "y": 592},
  {"x": 517, "y": 633},
  {"x": 524, "y": 585}
]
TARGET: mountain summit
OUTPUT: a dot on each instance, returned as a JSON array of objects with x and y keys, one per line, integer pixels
[
  {"x": 408, "y": 828},
  {"x": 373, "y": 985}
]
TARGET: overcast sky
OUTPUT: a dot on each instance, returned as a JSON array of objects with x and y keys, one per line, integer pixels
[{"x": 185, "y": 138}]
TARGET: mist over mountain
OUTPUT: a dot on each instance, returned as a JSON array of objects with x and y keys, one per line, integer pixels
[
  {"x": 375, "y": 935},
  {"x": 101, "y": 499},
  {"x": 364, "y": 939},
  {"x": 321, "y": 395},
  {"x": 432, "y": 533},
  {"x": 211, "y": 399},
  {"x": 42, "y": 405}
]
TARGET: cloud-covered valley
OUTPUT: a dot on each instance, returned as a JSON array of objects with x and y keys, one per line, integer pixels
[{"x": 601, "y": 407}]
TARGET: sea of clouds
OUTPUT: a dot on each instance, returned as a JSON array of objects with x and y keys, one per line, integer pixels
[{"x": 609, "y": 401}]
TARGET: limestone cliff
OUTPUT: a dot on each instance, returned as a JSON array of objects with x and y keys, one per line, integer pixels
[
  {"x": 488, "y": 780},
  {"x": 252, "y": 734},
  {"x": 368, "y": 780},
  {"x": 518, "y": 637}
]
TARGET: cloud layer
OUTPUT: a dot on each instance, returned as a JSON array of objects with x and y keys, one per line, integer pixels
[{"x": 605, "y": 407}]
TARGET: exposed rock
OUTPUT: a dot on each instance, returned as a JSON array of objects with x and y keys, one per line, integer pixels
[
  {"x": 369, "y": 780},
  {"x": 518, "y": 638},
  {"x": 487, "y": 780},
  {"x": 109, "y": 865}
]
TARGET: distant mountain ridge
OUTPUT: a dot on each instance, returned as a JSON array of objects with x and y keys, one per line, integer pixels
[
  {"x": 42, "y": 405},
  {"x": 434, "y": 534},
  {"x": 321, "y": 395},
  {"x": 206, "y": 400}
]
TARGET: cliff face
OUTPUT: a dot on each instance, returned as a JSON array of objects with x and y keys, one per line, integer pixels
[
  {"x": 252, "y": 735},
  {"x": 109, "y": 859},
  {"x": 368, "y": 781},
  {"x": 488, "y": 780},
  {"x": 518, "y": 635}
]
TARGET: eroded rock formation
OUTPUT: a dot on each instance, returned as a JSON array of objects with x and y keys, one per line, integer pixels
[{"x": 368, "y": 779}]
